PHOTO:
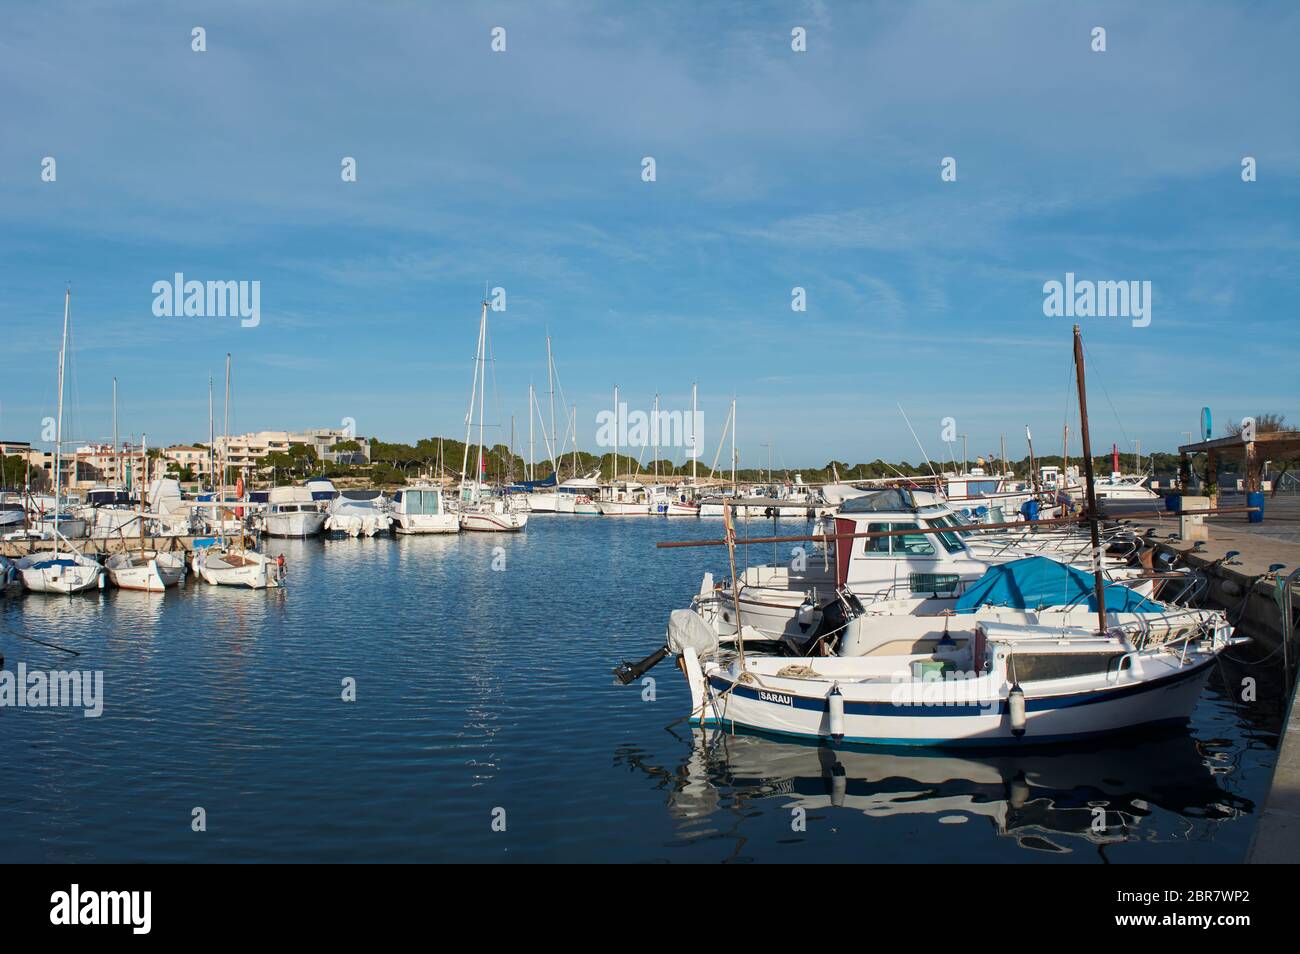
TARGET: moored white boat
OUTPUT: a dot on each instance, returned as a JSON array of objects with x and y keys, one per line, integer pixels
[
  {"x": 292, "y": 512},
  {"x": 422, "y": 509},
  {"x": 1008, "y": 685},
  {"x": 149, "y": 570},
  {"x": 358, "y": 514},
  {"x": 239, "y": 566},
  {"x": 63, "y": 573},
  {"x": 491, "y": 515}
]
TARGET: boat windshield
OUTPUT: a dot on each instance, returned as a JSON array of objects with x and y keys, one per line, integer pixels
[
  {"x": 422, "y": 502},
  {"x": 951, "y": 539}
]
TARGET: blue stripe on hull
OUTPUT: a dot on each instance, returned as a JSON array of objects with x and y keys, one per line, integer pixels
[
  {"x": 943, "y": 710},
  {"x": 980, "y": 743}
]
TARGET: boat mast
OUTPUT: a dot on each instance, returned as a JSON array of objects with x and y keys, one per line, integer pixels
[
  {"x": 614, "y": 468},
  {"x": 58, "y": 426},
  {"x": 550, "y": 383},
  {"x": 117, "y": 460},
  {"x": 1033, "y": 470},
  {"x": 482, "y": 350},
  {"x": 695, "y": 438},
  {"x": 473, "y": 392},
  {"x": 654, "y": 428},
  {"x": 530, "y": 431},
  {"x": 575, "y": 440},
  {"x": 1098, "y": 583},
  {"x": 225, "y": 456},
  {"x": 733, "y": 444},
  {"x": 212, "y": 451},
  {"x": 144, "y": 483},
  {"x": 1065, "y": 456}
]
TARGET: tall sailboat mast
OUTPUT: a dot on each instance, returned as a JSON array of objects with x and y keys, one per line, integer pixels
[
  {"x": 117, "y": 458},
  {"x": 473, "y": 393},
  {"x": 654, "y": 427},
  {"x": 614, "y": 468},
  {"x": 733, "y": 443},
  {"x": 225, "y": 454},
  {"x": 695, "y": 438},
  {"x": 482, "y": 351},
  {"x": 58, "y": 424},
  {"x": 531, "y": 460},
  {"x": 550, "y": 383},
  {"x": 212, "y": 450}
]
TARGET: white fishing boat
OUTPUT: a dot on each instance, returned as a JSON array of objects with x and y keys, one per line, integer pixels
[
  {"x": 62, "y": 572},
  {"x": 1008, "y": 685},
  {"x": 292, "y": 512},
  {"x": 422, "y": 509},
  {"x": 630, "y": 499},
  {"x": 974, "y": 679},
  {"x": 146, "y": 570},
  {"x": 239, "y": 566},
  {"x": 681, "y": 505}
]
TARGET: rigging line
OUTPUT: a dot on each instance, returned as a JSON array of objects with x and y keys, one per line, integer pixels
[{"x": 1100, "y": 380}]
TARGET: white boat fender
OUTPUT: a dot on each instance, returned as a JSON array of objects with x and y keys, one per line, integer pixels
[
  {"x": 103, "y": 581},
  {"x": 1016, "y": 707},
  {"x": 835, "y": 703}
]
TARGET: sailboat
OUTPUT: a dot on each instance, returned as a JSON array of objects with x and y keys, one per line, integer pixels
[
  {"x": 143, "y": 568},
  {"x": 478, "y": 511},
  {"x": 68, "y": 571},
  {"x": 238, "y": 565}
]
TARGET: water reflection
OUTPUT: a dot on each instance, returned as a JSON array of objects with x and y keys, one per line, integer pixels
[{"x": 1049, "y": 800}]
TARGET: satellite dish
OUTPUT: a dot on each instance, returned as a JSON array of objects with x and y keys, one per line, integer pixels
[{"x": 1207, "y": 428}]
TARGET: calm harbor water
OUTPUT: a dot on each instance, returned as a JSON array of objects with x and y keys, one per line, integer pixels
[{"x": 482, "y": 689}]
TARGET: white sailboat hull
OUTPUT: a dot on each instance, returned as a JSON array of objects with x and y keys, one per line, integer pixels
[
  {"x": 64, "y": 576},
  {"x": 152, "y": 576},
  {"x": 239, "y": 568},
  {"x": 490, "y": 521}
]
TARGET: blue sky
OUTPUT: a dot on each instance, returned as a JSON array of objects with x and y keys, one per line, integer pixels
[{"x": 775, "y": 169}]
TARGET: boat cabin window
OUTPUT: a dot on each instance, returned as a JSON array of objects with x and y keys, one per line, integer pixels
[{"x": 911, "y": 544}]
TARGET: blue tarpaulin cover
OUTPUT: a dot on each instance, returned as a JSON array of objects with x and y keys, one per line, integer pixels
[
  {"x": 1037, "y": 581},
  {"x": 550, "y": 481}
]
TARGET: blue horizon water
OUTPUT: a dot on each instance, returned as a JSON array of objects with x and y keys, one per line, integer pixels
[{"x": 480, "y": 689}]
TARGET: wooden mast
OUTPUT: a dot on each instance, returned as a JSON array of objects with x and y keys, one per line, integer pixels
[{"x": 1098, "y": 582}]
